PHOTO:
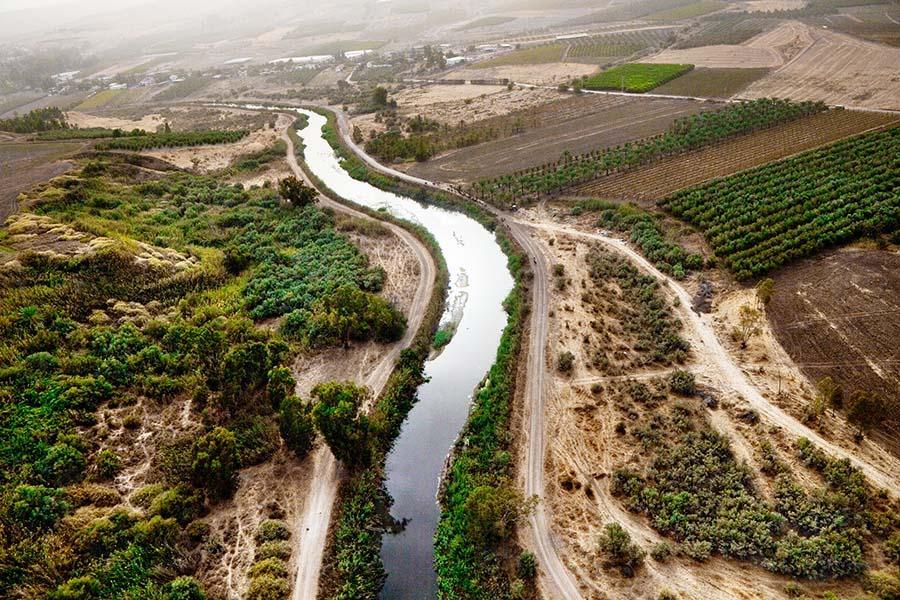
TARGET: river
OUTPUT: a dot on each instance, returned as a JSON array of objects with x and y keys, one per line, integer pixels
[{"x": 479, "y": 281}]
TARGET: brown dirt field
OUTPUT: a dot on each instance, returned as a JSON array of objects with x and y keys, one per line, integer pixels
[
  {"x": 24, "y": 164},
  {"x": 767, "y": 50},
  {"x": 205, "y": 159},
  {"x": 542, "y": 74},
  {"x": 838, "y": 315},
  {"x": 84, "y": 120},
  {"x": 837, "y": 69},
  {"x": 584, "y": 449},
  {"x": 576, "y": 123},
  {"x": 658, "y": 180}
]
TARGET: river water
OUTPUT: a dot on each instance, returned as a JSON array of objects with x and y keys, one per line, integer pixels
[{"x": 479, "y": 281}]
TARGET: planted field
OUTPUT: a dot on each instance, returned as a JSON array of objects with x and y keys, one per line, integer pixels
[
  {"x": 485, "y": 22},
  {"x": 100, "y": 99},
  {"x": 830, "y": 329},
  {"x": 688, "y": 11},
  {"x": 183, "y": 89},
  {"x": 616, "y": 44},
  {"x": 171, "y": 140},
  {"x": 538, "y": 54},
  {"x": 23, "y": 165},
  {"x": 576, "y": 124},
  {"x": 726, "y": 30},
  {"x": 635, "y": 77},
  {"x": 712, "y": 83},
  {"x": 761, "y": 219},
  {"x": 668, "y": 175},
  {"x": 684, "y": 135}
]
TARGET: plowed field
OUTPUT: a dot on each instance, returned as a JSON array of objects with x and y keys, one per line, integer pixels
[
  {"x": 839, "y": 315},
  {"x": 577, "y": 124},
  {"x": 669, "y": 175}
]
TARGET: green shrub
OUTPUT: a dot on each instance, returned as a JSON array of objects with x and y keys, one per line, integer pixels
[
  {"x": 885, "y": 585},
  {"x": 183, "y": 588},
  {"x": 271, "y": 530},
  {"x": 108, "y": 464},
  {"x": 618, "y": 551},
  {"x": 527, "y": 568},
  {"x": 215, "y": 462},
  {"x": 682, "y": 382},
  {"x": 661, "y": 552},
  {"x": 565, "y": 362},
  {"x": 296, "y": 425},
  {"x": 38, "y": 507},
  {"x": 267, "y": 587},
  {"x": 273, "y": 567},
  {"x": 273, "y": 549}
]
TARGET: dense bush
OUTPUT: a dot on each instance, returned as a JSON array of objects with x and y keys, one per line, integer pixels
[
  {"x": 39, "y": 119},
  {"x": 763, "y": 218},
  {"x": 296, "y": 424},
  {"x": 171, "y": 140},
  {"x": 618, "y": 551}
]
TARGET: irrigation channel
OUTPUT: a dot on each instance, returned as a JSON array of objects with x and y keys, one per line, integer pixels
[{"x": 479, "y": 281}]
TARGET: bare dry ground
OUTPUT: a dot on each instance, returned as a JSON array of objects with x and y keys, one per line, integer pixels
[
  {"x": 666, "y": 176},
  {"x": 767, "y": 50},
  {"x": 838, "y": 315},
  {"x": 205, "y": 159},
  {"x": 540, "y": 74},
  {"x": 591, "y": 415},
  {"x": 575, "y": 124},
  {"x": 83, "y": 120},
  {"x": 837, "y": 69}
]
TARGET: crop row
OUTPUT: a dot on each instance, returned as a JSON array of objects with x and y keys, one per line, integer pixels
[
  {"x": 617, "y": 44},
  {"x": 688, "y": 133},
  {"x": 171, "y": 140},
  {"x": 761, "y": 219}
]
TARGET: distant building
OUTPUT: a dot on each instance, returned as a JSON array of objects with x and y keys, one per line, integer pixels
[
  {"x": 456, "y": 60},
  {"x": 118, "y": 86}
]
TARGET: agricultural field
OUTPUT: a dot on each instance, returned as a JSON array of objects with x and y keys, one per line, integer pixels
[
  {"x": 704, "y": 82},
  {"x": 490, "y": 21},
  {"x": 725, "y": 30},
  {"x": 652, "y": 182},
  {"x": 761, "y": 219},
  {"x": 876, "y": 23},
  {"x": 635, "y": 77},
  {"x": 150, "y": 141},
  {"x": 836, "y": 316},
  {"x": 837, "y": 69},
  {"x": 547, "y": 53},
  {"x": 688, "y": 11},
  {"x": 600, "y": 48},
  {"x": 100, "y": 99},
  {"x": 182, "y": 89},
  {"x": 577, "y": 124},
  {"x": 627, "y": 11},
  {"x": 23, "y": 165},
  {"x": 684, "y": 135}
]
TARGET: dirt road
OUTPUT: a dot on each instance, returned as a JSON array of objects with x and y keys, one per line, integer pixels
[
  {"x": 316, "y": 516},
  {"x": 710, "y": 351}
]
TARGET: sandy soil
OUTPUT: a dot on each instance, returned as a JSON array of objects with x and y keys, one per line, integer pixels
[
  {"x": 83, "y": 120},
  {"x": 543, "y": 74},
  {"x": 205, "y": 159},
  {"x": 584, "y": 450},
  {"x": 767, "y": 50},
  {"x": 837, "y": 69}
]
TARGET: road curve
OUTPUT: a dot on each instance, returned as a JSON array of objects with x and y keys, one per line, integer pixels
[
  {"x": 556, "y": 580},
  {"x": 316, "y": 517}
]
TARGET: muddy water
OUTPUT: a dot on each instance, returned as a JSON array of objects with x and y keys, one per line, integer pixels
[{"x": 479, "y": 281}]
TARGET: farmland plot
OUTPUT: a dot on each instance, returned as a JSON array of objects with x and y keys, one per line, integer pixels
[
  {"x": 576, "y": 124},
  {"x": 837, "y": 69},
  {"x": 674, "y": 173},
  {"x": 837, "y": 316}
]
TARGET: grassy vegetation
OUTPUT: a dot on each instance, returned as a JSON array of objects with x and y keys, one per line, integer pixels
[
  {"x": 688, "y": 11},
  {"x": 171, "y": 140},
  {"x": 100, "y": 99},
  {"x": 466, "y": 557},
  {"x": 712, "y": 83},
  {"x": 66, "y": 356},
  {"x": 635, "y": 77},
  {"x": 253, "y": 161},
  {"x": 761, "y": 219},
  {"x": 547, "y": 53}
]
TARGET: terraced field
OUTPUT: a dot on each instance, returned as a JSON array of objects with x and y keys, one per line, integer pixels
[
  {"x": 669, "y": 175},
  {"x": 577, "y": 124}
]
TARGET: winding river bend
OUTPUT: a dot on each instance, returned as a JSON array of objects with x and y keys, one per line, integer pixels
[{"x": 479, "y": 281}]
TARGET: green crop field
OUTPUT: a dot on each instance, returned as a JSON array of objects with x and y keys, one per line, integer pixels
[
  {"x": 761, "y": 219},
  {"x": 635, "y": 77},
  {"x": 100, "y": 99}
]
